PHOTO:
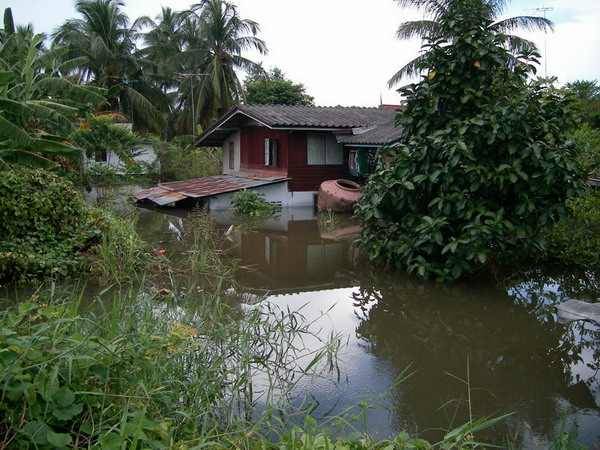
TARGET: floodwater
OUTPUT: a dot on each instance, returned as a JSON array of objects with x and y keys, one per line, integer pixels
[{"x": 477, "y": 348}]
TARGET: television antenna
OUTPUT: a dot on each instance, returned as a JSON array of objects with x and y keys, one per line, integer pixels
[{"x": 544, "y": 9}]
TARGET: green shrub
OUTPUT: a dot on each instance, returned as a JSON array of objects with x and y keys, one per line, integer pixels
[
  {"x": 182, "y": 161},
  {"x": 587, "y": 141},
  {"x": 575, "y": 240},
  {"x": 253, "y": 203},
  {"x": 44, "y": 224},
  {"x": 48, "y": 230},
  {"x": 119, "y": 254},
  {"x": 101, "y": 175}
]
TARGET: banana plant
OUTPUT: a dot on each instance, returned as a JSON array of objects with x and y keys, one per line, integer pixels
[{"x": 37, "y": 103}]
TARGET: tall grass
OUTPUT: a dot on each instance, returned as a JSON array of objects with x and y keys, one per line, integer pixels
[
  {"x": 120, "y": 255},
  {"x": 141, "y": 372},
  {"x": 205, "y": 255}
]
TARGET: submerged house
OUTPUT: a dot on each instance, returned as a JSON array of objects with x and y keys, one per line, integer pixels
[{"x": 284, "y": 152}]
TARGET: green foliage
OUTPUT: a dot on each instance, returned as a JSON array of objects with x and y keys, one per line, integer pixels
[
  {"x": 104, "y": 45},
  {"x": 273, "y": 88},
  {"x": 98, "y": 136},
  {"x": 119, "y": 255},
  {"x": 44, "y": 224},
  {"x": 102, "y": 175},
  {"x": 434, "y": 14},
  {"x": 253, "y": 203},
  {"x": 181, "y": 160},
  {"x": 587, "y": 140},
  {"x": 48, "y": 230},
  {"x": 36, "y": 103},
  {"x": 584, "y": 89},
  {"x": 588, "y": 100},
  {"x": 575, "y": 240},
  {"x": 482, "y": 165},
  {"x": 140, "y": 374}
]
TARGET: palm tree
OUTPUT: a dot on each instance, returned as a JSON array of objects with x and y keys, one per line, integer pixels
[
  {"x": 432, "y": 27},
  {"x": 104, "y": 37},
  {"x": 224, "y": 35},
  {"x": 163, "y": 44},
  {"x": 166, "y": 55}
]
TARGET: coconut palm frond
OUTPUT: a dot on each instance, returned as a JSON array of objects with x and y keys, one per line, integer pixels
[
  {"x": 409, "y": 70},
  {"x": 417, "y": 29},
  {"x": 519, "y": 45},
  {"x": 145, "y": 110},
  {"x": 529, "y": 23},
  {"x": 436, "y": 9}
]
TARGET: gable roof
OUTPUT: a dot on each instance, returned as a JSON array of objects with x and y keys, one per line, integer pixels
[{"x": 378, "y": 122}]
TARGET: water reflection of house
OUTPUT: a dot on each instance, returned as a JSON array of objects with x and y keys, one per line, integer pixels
[{"x": 292, "y": 257}]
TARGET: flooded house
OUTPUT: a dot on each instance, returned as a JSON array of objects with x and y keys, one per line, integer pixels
[{"x": 284, "y": 152}]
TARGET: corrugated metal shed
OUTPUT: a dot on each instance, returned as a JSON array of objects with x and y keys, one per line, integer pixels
[{"x": 197, "y": 188}]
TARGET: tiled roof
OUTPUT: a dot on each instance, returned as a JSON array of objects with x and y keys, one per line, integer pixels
[
  {"x": 316, "y": 116},
  {"x": 297, "y": 116},
  {"x": 383, "y": 133}
]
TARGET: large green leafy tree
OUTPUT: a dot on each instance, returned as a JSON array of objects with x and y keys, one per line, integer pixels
[
  {"x": 273, "y": 88},
  {"x": 434, "y": 12},
  {"x": 482, "y": 165},
  {"x": 104, "y": 37}
]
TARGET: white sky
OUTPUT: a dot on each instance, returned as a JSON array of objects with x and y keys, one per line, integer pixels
[{"x": 344, "y": 51}]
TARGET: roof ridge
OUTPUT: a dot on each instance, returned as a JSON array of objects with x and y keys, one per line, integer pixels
[{"x": 309, "y": 106}]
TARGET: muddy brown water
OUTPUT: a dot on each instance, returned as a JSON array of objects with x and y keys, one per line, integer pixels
[{"x": 476, "y": 348}]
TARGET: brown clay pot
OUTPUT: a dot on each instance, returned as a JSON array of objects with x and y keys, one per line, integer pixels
[{"x": 338, "y": 195}]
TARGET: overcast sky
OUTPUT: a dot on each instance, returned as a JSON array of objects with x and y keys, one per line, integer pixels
[{"x": 344, "y": 51}]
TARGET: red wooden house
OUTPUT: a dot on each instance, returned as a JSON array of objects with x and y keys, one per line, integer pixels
[{"x": 285, "y": 152}]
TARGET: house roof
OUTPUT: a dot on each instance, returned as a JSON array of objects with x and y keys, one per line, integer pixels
[
  {"x": 379, "y": 122},
  {"x": 383, "y": 133},
  {"x": 197, "y": 188}
]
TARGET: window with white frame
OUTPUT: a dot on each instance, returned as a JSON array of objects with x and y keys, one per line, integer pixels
[
  {"x": 271, "y": 152},
  {"x": 323, "y": 149}
]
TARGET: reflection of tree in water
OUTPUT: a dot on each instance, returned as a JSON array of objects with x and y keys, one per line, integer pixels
[
  {"x": 551, "y": 285},
  {"x": 519, "y": 357}
]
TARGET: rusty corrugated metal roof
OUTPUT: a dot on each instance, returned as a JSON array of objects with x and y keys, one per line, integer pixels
[{"x": 197, "y": 188}]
